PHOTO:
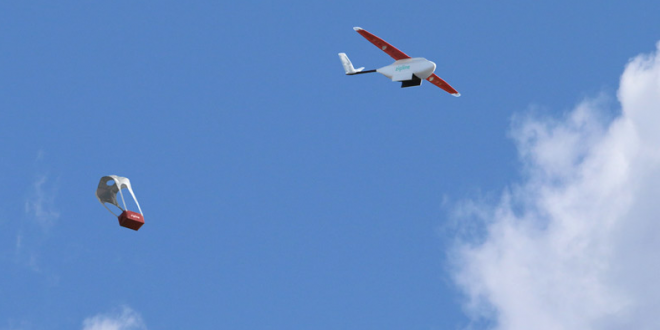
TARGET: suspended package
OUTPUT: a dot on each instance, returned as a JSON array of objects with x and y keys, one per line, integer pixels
[{"x": 107, "y": 191}]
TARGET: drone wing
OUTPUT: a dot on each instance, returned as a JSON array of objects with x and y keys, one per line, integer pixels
[
  {"x": 382, "y": 44},
  {"x": 435, "y": 80}
]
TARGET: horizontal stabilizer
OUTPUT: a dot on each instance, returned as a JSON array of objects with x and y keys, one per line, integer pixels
[{"x": 348, "y": 66}]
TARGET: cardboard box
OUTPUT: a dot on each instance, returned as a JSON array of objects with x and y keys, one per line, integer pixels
[{"x": 130, "y": 219}]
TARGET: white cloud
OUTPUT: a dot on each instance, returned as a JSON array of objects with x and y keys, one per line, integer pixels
[
  {"x": 126, "y": 319},
  {"x": 41, "y": 215},
  {"x": 41, "y": 203},
  {"x": 17, "y": 325},
  {"x": 574, "y": 245}
]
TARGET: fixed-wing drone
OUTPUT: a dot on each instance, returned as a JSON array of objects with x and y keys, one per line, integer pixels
[{"x": 409, "y": 71}]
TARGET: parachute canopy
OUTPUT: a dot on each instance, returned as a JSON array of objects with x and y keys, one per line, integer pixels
[{"x": 107, "y": 191}]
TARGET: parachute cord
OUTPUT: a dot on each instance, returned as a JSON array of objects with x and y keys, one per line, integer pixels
[{"x": 122, "y": 198}]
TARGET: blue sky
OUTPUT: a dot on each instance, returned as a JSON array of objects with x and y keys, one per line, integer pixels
[{"x": 278, "y": 193}]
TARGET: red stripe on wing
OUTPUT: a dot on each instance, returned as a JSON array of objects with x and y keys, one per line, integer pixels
[
  {"x": 435, "y": 80},
  {"x": 383, "y": 45}
]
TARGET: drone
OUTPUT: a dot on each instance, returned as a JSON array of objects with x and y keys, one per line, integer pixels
[{"x": 410, "y": 71}]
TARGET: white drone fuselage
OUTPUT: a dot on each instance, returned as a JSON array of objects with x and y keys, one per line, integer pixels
[
  {"x": 409, "y": 71},
  {"x": 403, "y": 70}
]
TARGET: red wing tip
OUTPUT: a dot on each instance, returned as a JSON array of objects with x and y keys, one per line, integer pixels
[
  {"x": 357, "y": 28},
  {"x": 456, "y": 94}
]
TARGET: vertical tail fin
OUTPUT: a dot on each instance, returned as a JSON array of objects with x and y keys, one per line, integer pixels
[{"x": 348, "y": 66}]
